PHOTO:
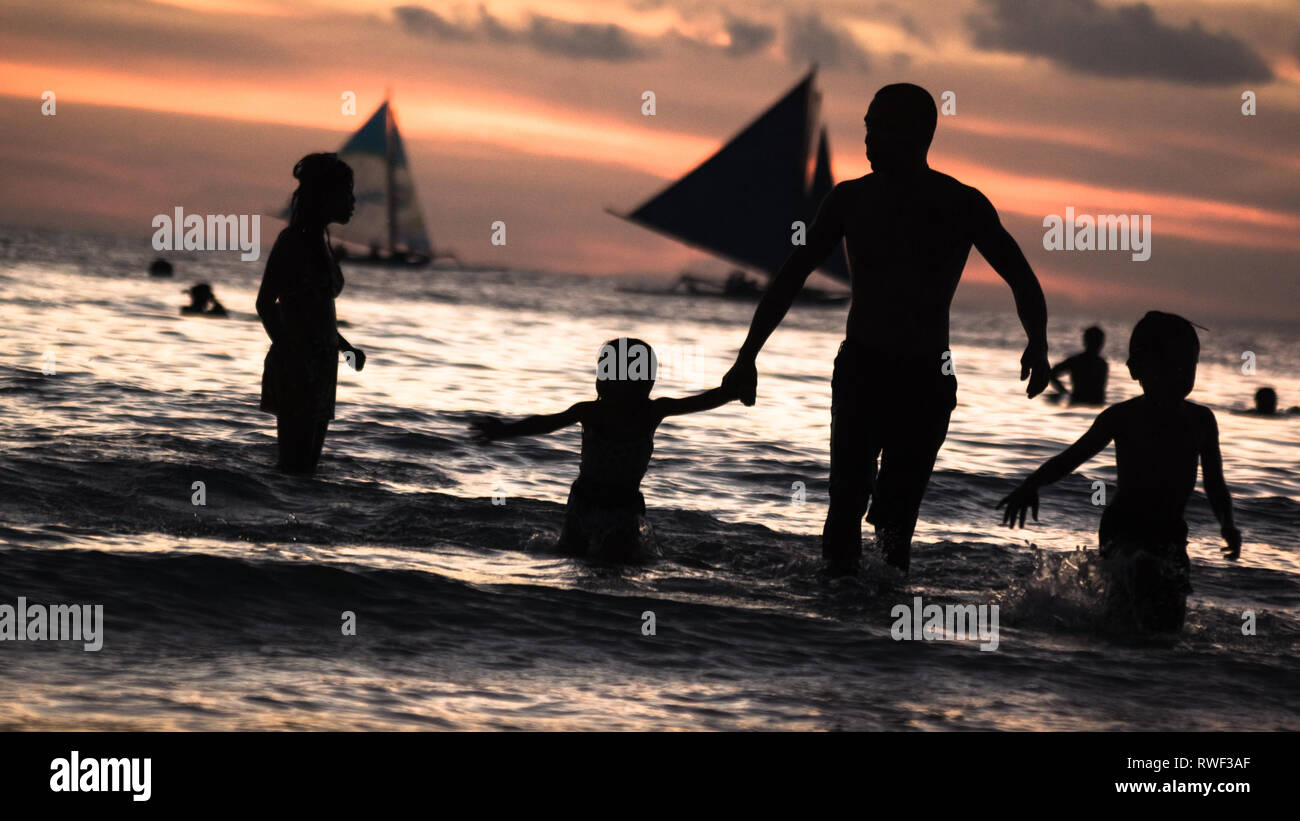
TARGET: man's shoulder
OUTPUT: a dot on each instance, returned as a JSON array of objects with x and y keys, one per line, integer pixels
[
  {"x": 845, "y": 187},
  {"x": 969, "y": 192}
]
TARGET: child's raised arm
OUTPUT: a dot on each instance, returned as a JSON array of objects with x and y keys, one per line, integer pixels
[
  {"x": 1025, "y": 497},
  {"x": 710, "y": 399},
  {"x": 1216, "y": 489},
  {"x": 493, "y": 428}
]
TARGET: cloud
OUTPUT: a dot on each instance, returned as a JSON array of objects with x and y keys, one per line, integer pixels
[
  {"x": 550, "y": 35},
  {"x": 809, "y": 40},
  {"x": 425, "y": 22},
  {"x": 578, "y": 40},
  {"x": 597, "y": 41},
  {"x": 1116, "y": 41},
  {"x": 747, "y": 36}
]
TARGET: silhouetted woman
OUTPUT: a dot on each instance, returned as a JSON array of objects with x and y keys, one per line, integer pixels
[{"x": 296, "y": 304}]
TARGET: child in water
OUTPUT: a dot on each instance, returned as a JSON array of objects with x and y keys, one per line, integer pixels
[
  {"x": 605, "y": 518},
  {"x": 1159, "y": 437}
]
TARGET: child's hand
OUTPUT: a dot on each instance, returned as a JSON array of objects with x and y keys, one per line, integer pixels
[
  {"x": 488, "y": 430},
  {"x": 1232, "y": 536},
  {"x": 1019, "y": 502}
]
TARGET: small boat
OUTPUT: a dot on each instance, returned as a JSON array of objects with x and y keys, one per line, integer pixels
[{"x": 740, "y": 203}]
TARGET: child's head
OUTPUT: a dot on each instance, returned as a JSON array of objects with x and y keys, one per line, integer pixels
[
  {"x": 1162, "y": 355},
  {"x": 625, "y": 369},
  {"x": 1093, "y": 339},
  {"x": 1266, "y": 401}
]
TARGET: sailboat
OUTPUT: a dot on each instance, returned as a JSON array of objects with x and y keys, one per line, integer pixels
[
  {"x": 739, "y": 204},
  {"x": 387, "y": 219}
]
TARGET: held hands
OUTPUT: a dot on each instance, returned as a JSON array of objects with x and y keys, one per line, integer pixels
[
  {"x": 1232, "y": 536},
  {"x": 1035, "y": 367},
  {"x": 1019, "y": 502},
  {"x": 742, "y": 380}
]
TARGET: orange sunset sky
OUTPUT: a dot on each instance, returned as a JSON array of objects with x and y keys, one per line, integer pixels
[{"x": 529, "y": 111}]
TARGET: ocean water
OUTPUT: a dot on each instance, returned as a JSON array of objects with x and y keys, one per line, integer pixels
[{"x": 227, "y": 615}]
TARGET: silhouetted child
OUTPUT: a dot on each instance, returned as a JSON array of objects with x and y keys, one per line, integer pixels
[
  {"x": 1087, "y": 370},
  {"x": 1158, "y": 437},
  {"x": 605, "y": 518}
]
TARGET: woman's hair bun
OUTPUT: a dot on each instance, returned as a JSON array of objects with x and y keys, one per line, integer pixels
[{"x": 315, "y": 165}]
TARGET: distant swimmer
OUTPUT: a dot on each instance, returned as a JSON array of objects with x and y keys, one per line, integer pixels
[
  {"x": 202, "y": 302},
  {"x": 1160, "y": 440},
  {"x": 1266, "y": 405},
  {"x": 1087, "y": 370},
  {"x": 605, "y": 517},
  {"x": 160, "y": 268}
]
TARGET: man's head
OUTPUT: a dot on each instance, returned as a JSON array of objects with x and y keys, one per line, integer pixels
[
  {"x": 900, "y": 125},
  {"x": 1162, "y": 355},
  {"x": 1093, "y": 339}
]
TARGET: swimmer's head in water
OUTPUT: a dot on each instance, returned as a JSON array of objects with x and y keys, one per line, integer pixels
[
  {"x": 900, "y": 125},
  {"x": 625, "y": 369},
  {"x": 1162, "y": 355},
  {"x": 200, "y": 293},
  {"x": 1266, "y": 401},
  {"x": 1093, "y": 339},
  {"x": 324, "y": 192}
]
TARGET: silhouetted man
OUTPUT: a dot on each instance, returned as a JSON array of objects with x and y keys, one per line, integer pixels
[
  {"x": 908, "y": 231},
  {"x": 1087, "y": 371}
]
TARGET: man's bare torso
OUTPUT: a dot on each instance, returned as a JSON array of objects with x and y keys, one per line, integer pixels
[{"x": 907, "y": 241}]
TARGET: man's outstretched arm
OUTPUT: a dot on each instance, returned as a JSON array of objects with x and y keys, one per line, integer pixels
[
  {"x": 1002, "y": 253},
  {"x": 826, "y": 230}
]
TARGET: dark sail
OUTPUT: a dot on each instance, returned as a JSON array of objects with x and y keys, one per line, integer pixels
[{"x": 740, "y": 203}]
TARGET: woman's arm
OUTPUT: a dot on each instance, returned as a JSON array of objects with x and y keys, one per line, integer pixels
[{"x": 269, "y": 292}]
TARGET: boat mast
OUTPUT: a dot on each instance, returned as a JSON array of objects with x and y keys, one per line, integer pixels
[{"x": 390, "y": 178}]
